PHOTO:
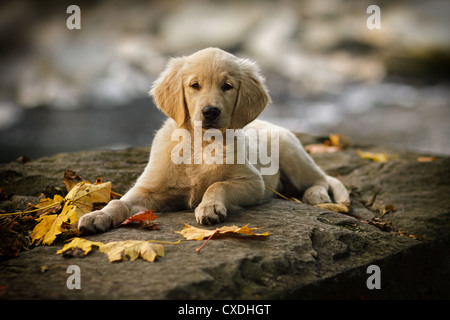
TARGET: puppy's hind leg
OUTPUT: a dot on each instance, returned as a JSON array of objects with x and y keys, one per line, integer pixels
[
  {"x": 304, "y": 174},
  {"x": 301, "y": 171}
]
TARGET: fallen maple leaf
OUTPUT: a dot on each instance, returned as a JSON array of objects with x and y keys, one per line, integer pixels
[
  {"x": 81, "y": 198},
  {"x": 118, "y": 250},
  {"x": 131, "y": 250},
  {"x": 43, "y": 228},
  {"x": 193, "y": 233},
  {"x": 79, "y": 201},
  {"x": 48, "y": 205},
  {"x": 83, "y": 244}
]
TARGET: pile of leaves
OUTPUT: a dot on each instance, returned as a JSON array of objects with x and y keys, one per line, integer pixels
[
  {"x": 52, "y": 217},
  {"x": 15, "y": 234},
  {"x": 79, "y": 201},
  {"x": 57, "y": 218}
]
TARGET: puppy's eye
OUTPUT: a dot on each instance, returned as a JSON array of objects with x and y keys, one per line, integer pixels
[
  {"x": 195, "y": 85},
  {"x": 227, "y": 86}
]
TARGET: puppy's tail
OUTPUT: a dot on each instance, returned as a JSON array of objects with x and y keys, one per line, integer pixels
[{"x": 339, "y": 191}]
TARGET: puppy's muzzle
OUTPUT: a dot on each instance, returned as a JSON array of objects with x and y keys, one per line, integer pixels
[{"x": 210, "y": 113}]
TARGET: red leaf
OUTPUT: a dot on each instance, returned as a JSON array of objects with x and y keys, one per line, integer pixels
[{"x": 140, "y": 216}]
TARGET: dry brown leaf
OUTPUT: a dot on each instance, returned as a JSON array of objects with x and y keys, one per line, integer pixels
[
  {"x": 12, "y": 242},
  {"x": 4, "y": 195},
  {"x": 388, "y": 209},
  {"x": 149, "y": 225},
  {"x": 71, "y": 179},
  {"x": 382, "y": 225}
]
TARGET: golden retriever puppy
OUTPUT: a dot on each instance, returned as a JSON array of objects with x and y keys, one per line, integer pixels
[{"x": 211, "y": 154}]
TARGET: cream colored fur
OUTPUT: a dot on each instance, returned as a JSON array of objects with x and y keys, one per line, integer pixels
[{"x": 212, "y": 77}]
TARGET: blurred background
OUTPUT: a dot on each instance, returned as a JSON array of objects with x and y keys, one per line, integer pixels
[{"x": 66, "y": 90}]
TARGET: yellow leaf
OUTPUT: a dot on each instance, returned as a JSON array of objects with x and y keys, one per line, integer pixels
[
  {"x": 79, "y": 201},
  {"x": 119, "y": 250},
  {"x": 83, "y": 244},
  {"x": 335, "y": 207},
  {"x": 55, "y": 229},
  {"x": 131, "y": 250},
  {"x": 48, "y": 202},
  {"x": 242, "y": 230},
  {"x": 377, "y": 157},
  {"x": 43, "y": 227},
  {"x": 334, "y": 139},
  {"x": 193, "y": 233}
]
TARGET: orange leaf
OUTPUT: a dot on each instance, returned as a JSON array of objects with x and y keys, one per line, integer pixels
[
  {"x": 140, "y": 216},
  {"x": 426, "y": 159}
]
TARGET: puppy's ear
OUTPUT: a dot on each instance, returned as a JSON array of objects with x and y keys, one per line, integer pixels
[
  {"x": 168, "y": 93},
  {"x": 252, "y": 95}
]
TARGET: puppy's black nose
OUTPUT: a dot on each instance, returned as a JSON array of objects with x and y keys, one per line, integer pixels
[{"x": 210, "y": 113}]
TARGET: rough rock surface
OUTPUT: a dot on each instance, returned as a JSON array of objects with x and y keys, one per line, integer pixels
[{"x": 311, "y": 253}]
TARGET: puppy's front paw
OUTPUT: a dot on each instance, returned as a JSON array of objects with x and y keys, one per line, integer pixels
[
  {"x": 210, "y": 212},
  {"x": 94, "y": 222},
  {"x": 316, "y": 194}
]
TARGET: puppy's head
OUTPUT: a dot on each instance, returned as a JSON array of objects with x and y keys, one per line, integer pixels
[{"x": 211, "y": 86}]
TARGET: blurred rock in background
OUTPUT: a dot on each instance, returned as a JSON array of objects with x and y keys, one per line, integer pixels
[{"x": 66, "y": 90}]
